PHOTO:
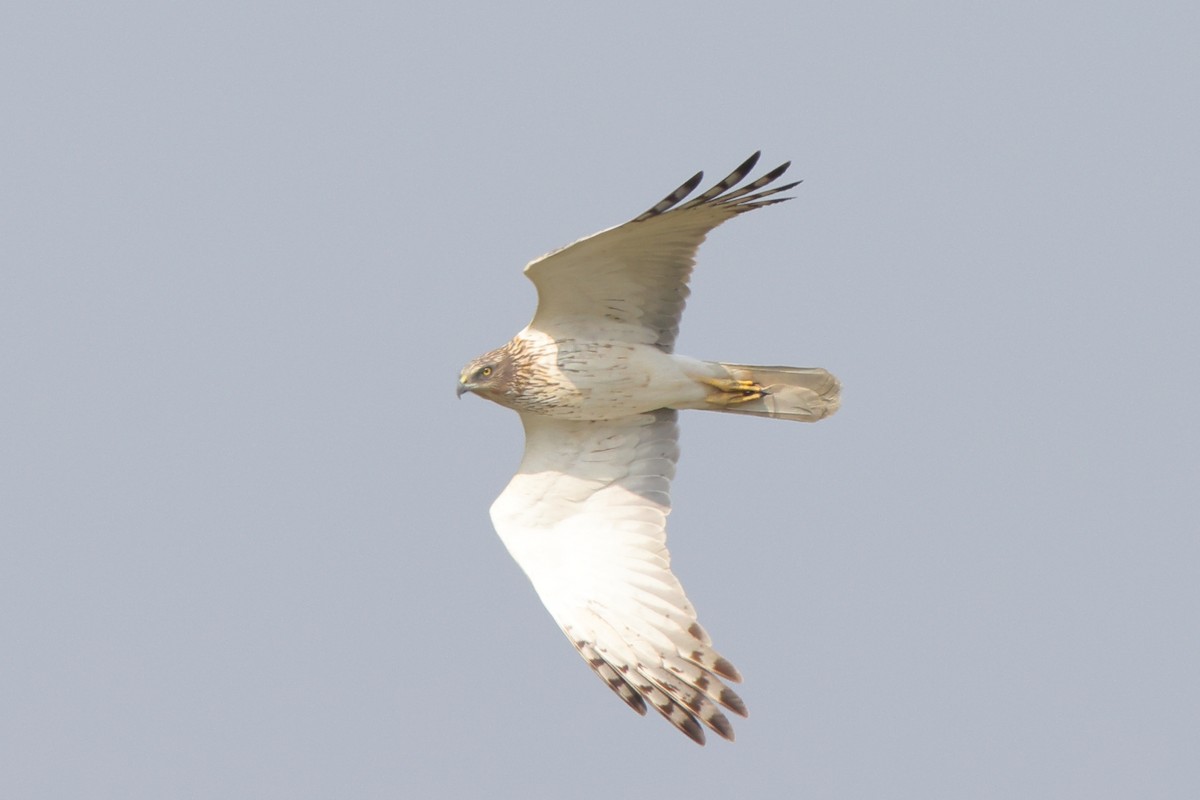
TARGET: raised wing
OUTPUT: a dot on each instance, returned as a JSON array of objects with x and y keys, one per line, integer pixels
[
  {"x": 629, "y": 283},
  {"x": 585, "y": 517}
]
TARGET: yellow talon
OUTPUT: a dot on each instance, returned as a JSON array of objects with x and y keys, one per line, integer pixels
[
  {"x": 732, "y": 392},
  {"x": 730, "y": 385}
]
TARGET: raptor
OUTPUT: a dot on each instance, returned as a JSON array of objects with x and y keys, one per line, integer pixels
[{"x": 598, "y": 386}]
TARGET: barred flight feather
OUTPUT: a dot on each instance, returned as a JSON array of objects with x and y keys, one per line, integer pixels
[{"x": 598, "y": 389}]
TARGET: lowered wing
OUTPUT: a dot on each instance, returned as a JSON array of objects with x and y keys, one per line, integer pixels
[{"x": 585, "y": 517}]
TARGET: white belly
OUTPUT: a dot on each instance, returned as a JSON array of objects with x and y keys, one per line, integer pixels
[{"x": 608, "y": 380}]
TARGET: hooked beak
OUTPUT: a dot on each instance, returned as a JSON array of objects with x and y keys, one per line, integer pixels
[{"x": 462, "y": 388}]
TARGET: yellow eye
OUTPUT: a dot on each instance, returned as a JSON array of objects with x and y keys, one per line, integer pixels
[{"x": 486, "y": 371}]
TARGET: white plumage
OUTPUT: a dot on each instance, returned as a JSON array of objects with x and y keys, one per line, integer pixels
[{"x": 597, "y": 385}]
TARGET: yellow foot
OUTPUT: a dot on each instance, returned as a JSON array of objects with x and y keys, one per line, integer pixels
[{"x": 731, "y": 392}]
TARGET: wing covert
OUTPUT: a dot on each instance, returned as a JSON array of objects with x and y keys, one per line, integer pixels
[
  {"x": 585, "y": 517},
  {"x": 629, "y": 283}
]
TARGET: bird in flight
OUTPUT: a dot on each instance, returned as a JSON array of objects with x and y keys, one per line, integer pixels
[{"x": 598, "y": 386}]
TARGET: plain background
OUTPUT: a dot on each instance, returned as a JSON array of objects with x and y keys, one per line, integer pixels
[{"x": 246, "y": 249}]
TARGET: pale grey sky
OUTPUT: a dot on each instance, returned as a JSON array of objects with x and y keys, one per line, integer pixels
[{"x": 247, "y": 247}]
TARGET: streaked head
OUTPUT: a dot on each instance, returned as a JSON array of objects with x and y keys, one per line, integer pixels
[{"x": 487, "y": 376}]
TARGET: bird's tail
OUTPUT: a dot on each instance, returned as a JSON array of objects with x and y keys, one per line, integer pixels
[{"x": 806, "y": 394}]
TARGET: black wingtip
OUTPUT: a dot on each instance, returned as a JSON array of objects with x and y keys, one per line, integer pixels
[
  {"x": 749, "y": 163},
  {"x": 725, "y": 194},
  {"x": 726, "y": 670},
  {"x": 719, "y": 723},
  {"x": 729, "y": 698},
  {"x": 782, "y": 168},
  {"x": 668, "y": 202},
  {"x": 691, "y": 728}
]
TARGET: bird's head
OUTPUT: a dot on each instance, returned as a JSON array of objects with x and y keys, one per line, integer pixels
[{"x": 486, "y": 376}]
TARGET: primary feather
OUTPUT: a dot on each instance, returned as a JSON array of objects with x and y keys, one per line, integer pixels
[{"x": 597, "y": 384}]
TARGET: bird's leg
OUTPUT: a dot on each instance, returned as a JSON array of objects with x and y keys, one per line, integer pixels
[{"x": 731, "y": 392}]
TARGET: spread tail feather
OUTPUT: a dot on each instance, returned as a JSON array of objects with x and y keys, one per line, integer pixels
[{"x": 806, "y": 394}]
